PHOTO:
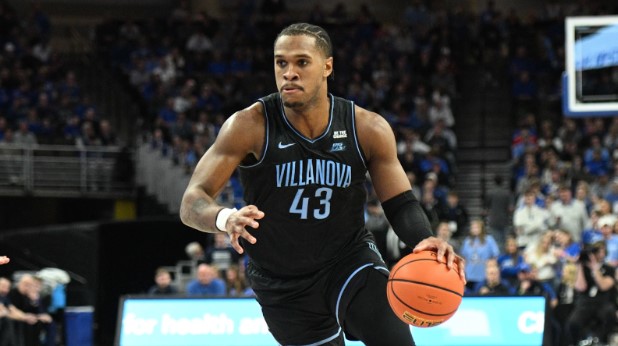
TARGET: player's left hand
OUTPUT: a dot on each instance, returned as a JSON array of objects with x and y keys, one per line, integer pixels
[{"x": 442, "y": 249}]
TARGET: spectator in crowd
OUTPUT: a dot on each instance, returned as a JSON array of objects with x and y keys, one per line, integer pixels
[
  {"x": 476, "y": 249},
  {"x": 592, "y": 232},
  {"x": 523, "y": 142},
  {"x": 548, "y": 137},
  {"x": 568, "y": 213},
  {"x": 163, "y": 283},
  {"x": 565, "y": 249},
  {"x": 596, "y": 157},
  {"x": 607, "y": 224},
  {"x": 221, "y": 254},
  {"x": 582, "y": 193},
  {"x": 595, "y": 284},
  {"x": 541, "y": 256},
  {"x": 26, "y": 298},
  {"x": 603, "y": 207},
  {"x": 528, "y": 284},
  {"x": 566, "y": 298},
  {"x": 235, "y": 283},
  {"x": 409, "y": 140},
  {"x": 444, "y": 232},
  {"x": 534, "y": 185},
  {"x": 24, "y": 136},
  {"x": 195, "y": 252},
  {"x": 601, "y": 185},
  {"x": 498, "y": 205},
  {"x": 456, "y": 214},
  {"x": 440, "y": 109},
  {"x": 53, "y": 282},
  {"x": 612, "y": 195},
  {"x": 4, "y": 260},
  {"x": 510, "y": 261},
  {"x": 433, "y": 163},
  {"x": 526, "y": 173},
  {"x": 443, "y": 143},
  {"x": 493, "y": 284},
  {"x": 530, "y": 221},
  {"x": 206, "y": 283},
  {"x": 7, "y": 315}
]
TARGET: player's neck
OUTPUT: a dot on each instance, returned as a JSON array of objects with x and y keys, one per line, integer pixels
[{"x": 311, "y": 120}]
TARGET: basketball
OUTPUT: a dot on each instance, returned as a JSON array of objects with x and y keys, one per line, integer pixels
[{"x": 422, "y": 291}]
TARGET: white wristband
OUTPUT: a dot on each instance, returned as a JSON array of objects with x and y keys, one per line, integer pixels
[{"x": 222, "y": 217}]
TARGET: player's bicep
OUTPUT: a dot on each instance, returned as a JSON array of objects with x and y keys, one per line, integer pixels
[
  {"x": 388, "y": 178},
  {"x": 387, "y": 175},
  {"x": 216, "y": 166}
]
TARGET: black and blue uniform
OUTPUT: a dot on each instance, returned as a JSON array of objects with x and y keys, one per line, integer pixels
[{"x": 312, "y": 245}]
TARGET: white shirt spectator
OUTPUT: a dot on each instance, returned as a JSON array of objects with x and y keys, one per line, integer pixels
[
  {"x": 541, "y": 255},
  {"x": 441, "y": 109},
  {"x": 569, "y": 214},
  {"x": 530, "y": 221}
]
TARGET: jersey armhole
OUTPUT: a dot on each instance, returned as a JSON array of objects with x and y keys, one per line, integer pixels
[
  {"x": 250, "y": 161},
  {"x": 359, "y": 149}
]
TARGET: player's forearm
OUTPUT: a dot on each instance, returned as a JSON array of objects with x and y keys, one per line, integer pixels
[
  {"x": 198, "y": 210},
  {"x": 407, "y": 218}
]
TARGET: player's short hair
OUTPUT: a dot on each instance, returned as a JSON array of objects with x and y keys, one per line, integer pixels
[{"x": 322, "y": 40}]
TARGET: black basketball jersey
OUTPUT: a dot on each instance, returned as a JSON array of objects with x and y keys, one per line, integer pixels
[{"x": 312, "y": 191}]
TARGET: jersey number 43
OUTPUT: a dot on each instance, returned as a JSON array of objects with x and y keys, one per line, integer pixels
[{"x": 300, "y": 205}]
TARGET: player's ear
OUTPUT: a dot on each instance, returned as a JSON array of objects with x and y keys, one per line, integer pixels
[{"x": 328, "y": 67}]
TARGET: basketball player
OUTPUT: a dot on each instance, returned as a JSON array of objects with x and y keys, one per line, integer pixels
[{"x": 302, "y": 155}]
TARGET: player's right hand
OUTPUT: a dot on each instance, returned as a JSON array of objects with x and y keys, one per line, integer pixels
[{"x": 236, "y": 223}]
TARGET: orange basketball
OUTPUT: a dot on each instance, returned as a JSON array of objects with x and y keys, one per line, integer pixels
[{"x": 422, "y": 291}]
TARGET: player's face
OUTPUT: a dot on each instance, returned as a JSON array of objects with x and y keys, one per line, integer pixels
[{"x": 301, "y": 70}]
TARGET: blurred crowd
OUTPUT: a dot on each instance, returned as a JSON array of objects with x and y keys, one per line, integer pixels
[
  {"x": 191, "y": 73},
  {"x": 41, "y": 100},
  {"x": 32, "y": 308}
]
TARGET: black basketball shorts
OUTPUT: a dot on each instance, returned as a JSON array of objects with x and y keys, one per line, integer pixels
[{"x": 310, "y": 310}]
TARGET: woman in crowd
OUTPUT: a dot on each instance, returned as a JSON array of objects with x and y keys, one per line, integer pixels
[{"x": 476, "y": 249}]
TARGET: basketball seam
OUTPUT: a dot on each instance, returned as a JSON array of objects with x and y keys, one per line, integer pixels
[{"x": 427, "y": 284}]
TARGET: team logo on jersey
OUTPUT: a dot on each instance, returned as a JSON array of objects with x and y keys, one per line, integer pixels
[
  {"x": 340, "y": 134},
  {"x": 337, "y": 147}
]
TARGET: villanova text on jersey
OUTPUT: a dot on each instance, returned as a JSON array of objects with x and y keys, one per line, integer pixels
[{"x": 314, "y": 172}]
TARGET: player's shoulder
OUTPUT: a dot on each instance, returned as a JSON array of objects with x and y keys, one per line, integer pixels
[
  {"x": 370, "y": 123},
  {"x": 244, "y": 130},
  {"x": 250, "y": 116}
]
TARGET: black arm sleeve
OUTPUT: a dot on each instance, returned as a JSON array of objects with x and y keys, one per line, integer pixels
[{"x": 407, "y": 218}]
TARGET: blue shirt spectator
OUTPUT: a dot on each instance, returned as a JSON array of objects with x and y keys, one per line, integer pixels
[
  {"x": 476, "y": 249},
  {"x": 207, "y": 282},
  {"x": 510, "y": 261}
]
